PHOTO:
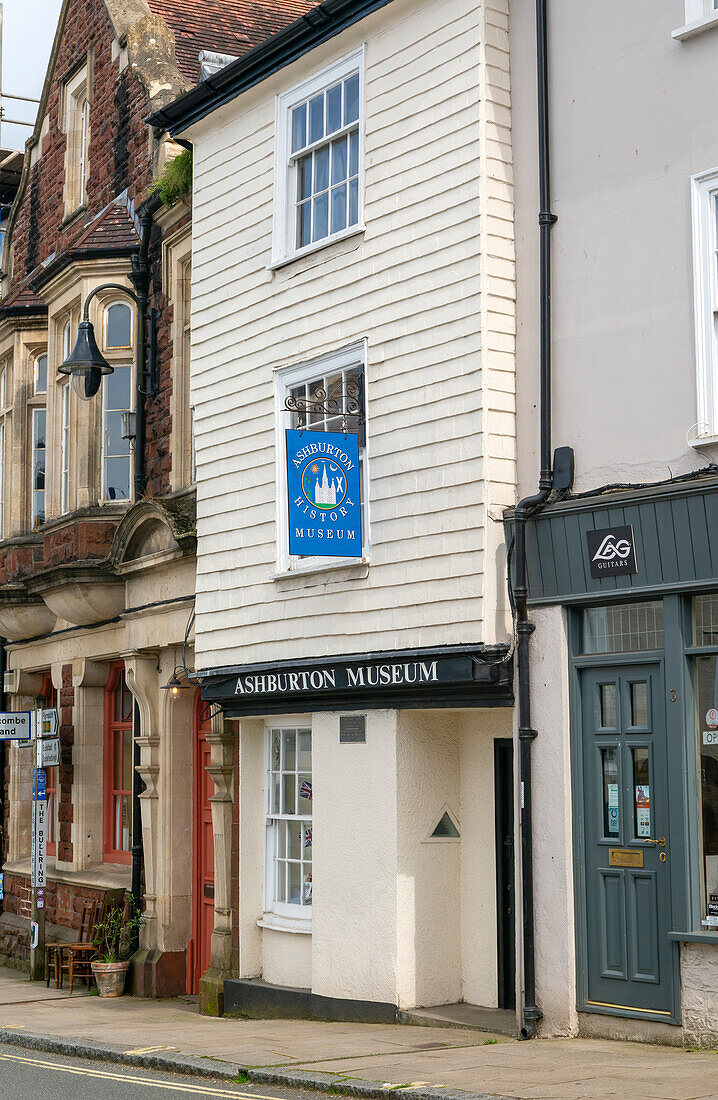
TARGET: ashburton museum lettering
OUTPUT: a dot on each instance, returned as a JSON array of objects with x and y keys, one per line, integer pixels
[{"x": 329, "y": 679}]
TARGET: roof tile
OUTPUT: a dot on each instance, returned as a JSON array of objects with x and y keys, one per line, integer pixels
[{"x": 224, "y": 26}]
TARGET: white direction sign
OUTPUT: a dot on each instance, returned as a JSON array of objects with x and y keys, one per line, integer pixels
[
  {"x": 48, "y": 752},
  {"x": 50, "y": 723},
  {"x": 15, "y": 725}
]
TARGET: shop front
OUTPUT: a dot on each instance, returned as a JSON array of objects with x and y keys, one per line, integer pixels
[
  {"x": 366, "y": 798},
  {"x": 625, "y": 591}
]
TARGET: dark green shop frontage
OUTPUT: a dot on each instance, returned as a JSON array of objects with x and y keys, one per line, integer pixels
[{"x": 637, "y": 575}]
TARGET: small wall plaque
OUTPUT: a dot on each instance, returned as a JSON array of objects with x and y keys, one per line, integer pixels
[
  {"x": 625, "y": 857},
  {"x": 352, "y": 729}
]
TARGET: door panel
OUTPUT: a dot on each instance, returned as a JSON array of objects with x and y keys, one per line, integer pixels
[{"x": 627, "y": 879}]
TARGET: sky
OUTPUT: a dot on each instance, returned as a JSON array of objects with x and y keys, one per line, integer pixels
[{"x": 28, "y": 29}]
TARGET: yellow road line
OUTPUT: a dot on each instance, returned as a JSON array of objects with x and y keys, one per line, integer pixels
[
  {"x": 148, "y": 1050},
  {"x": 179, "y": 1086}
]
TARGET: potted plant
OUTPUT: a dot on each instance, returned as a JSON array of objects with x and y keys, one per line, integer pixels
[{"x": 113, "y": 937}]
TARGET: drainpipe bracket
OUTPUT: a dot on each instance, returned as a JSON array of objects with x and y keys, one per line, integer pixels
[
  {"x": 547, "y": 218},
  {"x": 527, "y": 734}
]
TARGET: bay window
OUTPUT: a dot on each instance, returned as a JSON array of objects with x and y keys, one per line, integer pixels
[
  {"x": 705, "y": 624},
  {"x": 288, "y": 844}
]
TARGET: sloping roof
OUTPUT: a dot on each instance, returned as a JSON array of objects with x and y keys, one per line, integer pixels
[
  {"x": 112, "y": 230},
  {"x": 23, "y": 299},
  {"x": 224, "y": 26},
  {"x": 316, "y": 24}
]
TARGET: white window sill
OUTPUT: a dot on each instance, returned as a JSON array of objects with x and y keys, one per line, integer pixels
[
  {"x": 285, "y": 924},
  {"x": 353, "y": 231},
  {"x": 355, "y": 564},
  {"x": 704, "y": 441},
  {"x": 692, "y": 29}
]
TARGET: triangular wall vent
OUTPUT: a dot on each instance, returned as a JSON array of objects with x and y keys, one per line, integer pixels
[{"x": 445, "y": 826}]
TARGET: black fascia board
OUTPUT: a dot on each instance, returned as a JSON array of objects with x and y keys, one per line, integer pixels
[
  {"x": 306, "y": 33},
  {"x": 23, "y": 311}
]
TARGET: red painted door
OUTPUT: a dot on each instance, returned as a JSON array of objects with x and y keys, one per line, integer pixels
[{"x": 203, "y": 853}]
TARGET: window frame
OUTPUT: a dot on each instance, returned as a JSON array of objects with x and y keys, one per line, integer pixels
[
  {"x": 704, "y": 203},
  {"x": 283, "y": 225},
  {"x": 286, "y": 379},
  {"x": 290, "y": 911},
  {"x": 112, "y": 727},
  {"x": 106, "y": 323},
  {"x": 76, "y": 108},
  {"x": 65, "y": 440},
  {"x": 121, "y": 357},
  {"x": 35, "y": 411}
]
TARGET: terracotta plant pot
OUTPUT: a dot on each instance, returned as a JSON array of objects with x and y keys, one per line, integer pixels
[{"x": 110, "y": 977}]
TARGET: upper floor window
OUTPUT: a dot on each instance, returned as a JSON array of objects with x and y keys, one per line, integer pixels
[
  {"x": 4, "y": 394},
  {"x": 38, "y": 427},
  {"x": 117, "y": 399},
  {"x": 319, "y": 158},
  {"x": 40, "y": 374},
  {"x": 76, "y": 118},
  {"x": 118, "y": 326},
  {"x": 705, "y": 290}
]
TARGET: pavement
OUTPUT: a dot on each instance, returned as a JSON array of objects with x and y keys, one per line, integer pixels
[{"x": 425, "y": 1063}]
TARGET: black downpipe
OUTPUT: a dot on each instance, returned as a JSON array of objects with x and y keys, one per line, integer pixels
[
  {"x": 526, "y": 508},
  {"x": 141, "y": 280}
]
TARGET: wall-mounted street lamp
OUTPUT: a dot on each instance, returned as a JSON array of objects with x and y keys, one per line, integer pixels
[{"x": 86, "y": 364}]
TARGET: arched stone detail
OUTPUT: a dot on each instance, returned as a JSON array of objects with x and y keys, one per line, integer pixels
[{"x": 153, "y": 528}]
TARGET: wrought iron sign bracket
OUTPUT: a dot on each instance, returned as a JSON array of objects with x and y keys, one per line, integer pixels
[{"x": 346, "y": 403}]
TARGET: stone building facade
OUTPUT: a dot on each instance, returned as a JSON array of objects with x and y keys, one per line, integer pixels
[{"x": 97, "y": 532}]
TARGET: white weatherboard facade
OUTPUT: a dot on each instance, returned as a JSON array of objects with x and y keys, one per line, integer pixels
[
  {"x": 633, "y": 179},
  {"x": 418, "y": 294}
]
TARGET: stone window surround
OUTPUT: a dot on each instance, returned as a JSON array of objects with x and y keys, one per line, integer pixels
[
  {"x": 176, "y": 271},
  {"x": 75, "y": 104}
]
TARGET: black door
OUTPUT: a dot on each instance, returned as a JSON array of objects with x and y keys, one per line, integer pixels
[{"x": 505, "y": 904}]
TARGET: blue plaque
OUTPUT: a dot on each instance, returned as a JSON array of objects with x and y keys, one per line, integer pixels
[{"x": 323, "y": 494}]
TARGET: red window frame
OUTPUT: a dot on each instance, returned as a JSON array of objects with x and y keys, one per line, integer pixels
[
  {"x": 118, "y": 713},
  {"x": 50, "y": 696}
]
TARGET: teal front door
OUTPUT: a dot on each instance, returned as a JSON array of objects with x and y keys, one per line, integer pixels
[{"x": 627, "y": 857}]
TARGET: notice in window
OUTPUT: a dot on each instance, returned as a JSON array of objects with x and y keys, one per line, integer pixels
[{"x": 324, "y": 500}]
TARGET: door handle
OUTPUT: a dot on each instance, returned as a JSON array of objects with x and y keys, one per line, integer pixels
[{"x": 661, "y": 840}]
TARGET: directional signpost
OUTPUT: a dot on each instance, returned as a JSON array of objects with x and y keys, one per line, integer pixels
[{"x": 44, "y": 727}]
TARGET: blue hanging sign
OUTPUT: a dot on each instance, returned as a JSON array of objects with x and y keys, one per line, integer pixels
[{"x": 323, "y": 494}]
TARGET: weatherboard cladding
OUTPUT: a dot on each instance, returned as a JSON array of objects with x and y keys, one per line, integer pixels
[
  {"x": 676, "y": 539},
  {"x": 440, "y": 390}
]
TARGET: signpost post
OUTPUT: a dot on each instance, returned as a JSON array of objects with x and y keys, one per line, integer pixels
[{"x": 38, "y": 864}]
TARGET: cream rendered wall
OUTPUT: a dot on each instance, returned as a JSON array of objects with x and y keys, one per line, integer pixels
[
  {"x": 428, "y": 907},
  {"x": 477, "y": 730},
  {"x": 429, "y": 284},
  {"x": 630, "y": 123},
  {"x": 354, "y": 843},
  {"x": 553, "y": 864}
]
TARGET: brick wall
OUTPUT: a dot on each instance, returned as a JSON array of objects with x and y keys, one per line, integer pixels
[{"x": 119, "y": 149}]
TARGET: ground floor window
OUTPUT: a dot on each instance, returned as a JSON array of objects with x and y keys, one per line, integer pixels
[
  {"x": 117, "y": 768},
  {"x": 705, "y": 624},
  {"x": 288, "y": 867}
]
